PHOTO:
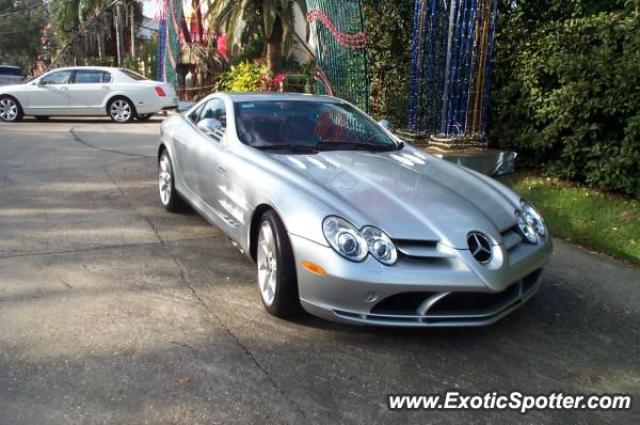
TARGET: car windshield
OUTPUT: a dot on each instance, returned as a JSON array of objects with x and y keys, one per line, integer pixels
[{"x": 308, "y": 125}]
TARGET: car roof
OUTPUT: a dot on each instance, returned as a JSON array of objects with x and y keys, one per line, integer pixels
[
  {"x": 9, "y": 66},
  {"x": 98, "y": 68}
]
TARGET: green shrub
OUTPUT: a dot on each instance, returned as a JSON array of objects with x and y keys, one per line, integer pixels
[
  {"x": 244, "y": 77},
  {"x": 567, "y": 95}
]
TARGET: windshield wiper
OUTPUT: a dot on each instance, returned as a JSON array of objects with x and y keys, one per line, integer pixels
[{"x": 292, "y": 148}]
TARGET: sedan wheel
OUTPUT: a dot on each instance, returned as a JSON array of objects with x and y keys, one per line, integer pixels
[
  {"x": 166, "y": 185},
  {"x": 10, "y": 110},
  {"x": 121, "y": 111},
  {"x": 277, "y": 279}
]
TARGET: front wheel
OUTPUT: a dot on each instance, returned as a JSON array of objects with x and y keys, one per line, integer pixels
[
  {"x": 166, "y": 185},
  {"x": 277, "y": 279},
  {"x": 10, "y": 109},
  {"x": 121, "y": 110}
]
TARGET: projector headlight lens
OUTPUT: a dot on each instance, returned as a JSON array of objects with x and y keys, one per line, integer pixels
[
  {"x": 344, "y": 238},
  {"x": 525, "y": 228},
  {"x": 533, "y": 217},
  {"x": 380, "y": 245}
]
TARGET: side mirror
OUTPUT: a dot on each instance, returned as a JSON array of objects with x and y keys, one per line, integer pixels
[
  {"x": 211, "y": 127},
  {"x": 386, "y": 125}
]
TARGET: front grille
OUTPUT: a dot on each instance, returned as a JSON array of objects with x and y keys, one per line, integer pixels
[
  {"x": 448, "y": 307},
  {"x": 406, "y": 303},
  {"x": 511, "y": 238},
  {"x": 463, "y": 302},
  {"x": 429, "y": 252}
]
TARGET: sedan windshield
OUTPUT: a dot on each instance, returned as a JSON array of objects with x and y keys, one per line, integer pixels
[{"x": 302, "y": 126}]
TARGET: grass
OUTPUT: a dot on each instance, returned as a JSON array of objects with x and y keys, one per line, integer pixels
[{"x": 599, "y": 221}]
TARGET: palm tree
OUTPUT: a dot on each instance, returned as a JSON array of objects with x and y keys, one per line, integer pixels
[{"x": 274, "y": 19}]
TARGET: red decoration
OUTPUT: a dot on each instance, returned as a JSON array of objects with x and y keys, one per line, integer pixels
[{"x": 351, "y": 41}]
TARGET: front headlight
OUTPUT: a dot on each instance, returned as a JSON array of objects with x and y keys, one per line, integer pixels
[
  {"x": 526, "y": 228},
  {"x": 344, "y": 238},
  {"x": 533, "y": 217},
  {"x": 380, "y": 245},
  {"x": 354, "y": 244}
]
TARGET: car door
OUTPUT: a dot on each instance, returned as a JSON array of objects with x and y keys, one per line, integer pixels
[
  {"x": 207, "y": 156},
  {"x": 50, "y": 94},
  {"x": 185, "y": 142},
  {"x": 88, "y": 90}
]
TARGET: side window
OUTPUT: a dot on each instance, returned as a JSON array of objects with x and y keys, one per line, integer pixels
[
  {"x": 88, "y": 77},
  {"x": 58, "y": 77},
  {"x": 215, "y": 109},
  {"x": 195, "y": 115},
  {"x": 106, "y": 77}
]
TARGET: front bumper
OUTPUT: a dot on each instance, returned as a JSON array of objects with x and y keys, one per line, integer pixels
[{"x": 438, "y": 292}]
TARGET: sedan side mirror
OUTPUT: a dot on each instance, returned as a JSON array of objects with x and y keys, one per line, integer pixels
[
  {"x": 386, "y": 125},
  {"x": 211, "y": 127}
]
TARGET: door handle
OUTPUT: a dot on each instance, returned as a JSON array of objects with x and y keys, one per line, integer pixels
[
  {"x": 221, "y": 171},
  {"x": 104, "y": 87},
  {"x": 64, "y": 88}
]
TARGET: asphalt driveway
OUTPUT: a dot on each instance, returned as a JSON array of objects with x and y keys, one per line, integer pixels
[{"x": 113, "y": 311}]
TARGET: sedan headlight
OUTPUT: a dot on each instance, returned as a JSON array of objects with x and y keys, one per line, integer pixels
[
  {"x": 354, "y": 244},
  {"x": 380, "y": 245},
  {"x": 533, "y": 217},
  {"x": 344, "y": 238}
]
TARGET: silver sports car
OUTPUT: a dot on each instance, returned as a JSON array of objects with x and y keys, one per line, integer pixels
[{"x": 346, "y": 221}]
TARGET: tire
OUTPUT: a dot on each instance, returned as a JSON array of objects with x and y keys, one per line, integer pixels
[
  {"x": 121, "y": 110},
  {"x": 144, "y": 117},
  {"x": 277, "y": 280},
  {"x": 41, "y": 118},
  {"x": 10, "y": 109},
  {"x": 169, "y": 196}
]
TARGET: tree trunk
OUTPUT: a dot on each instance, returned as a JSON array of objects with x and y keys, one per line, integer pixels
[
  {"x": 116, "y": 19},
  {"x": 133, "y": 32},
  {"x": 274, "y": 48}
]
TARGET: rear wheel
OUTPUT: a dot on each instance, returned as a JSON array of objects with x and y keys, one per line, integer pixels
[
  {"x": 277, "y": 279},
  {"x": 144, "y": 117},
  {"x": 121, "y": 110},
  {"x": 10, "y": 109}
]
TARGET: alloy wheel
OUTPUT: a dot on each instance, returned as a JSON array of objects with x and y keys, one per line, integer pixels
[
  {"x": 165, "y": 180},
  {"x": 120, "y": 111},
  {"x": 267, "y": 263},
  {"x": 8, "y": 109}
]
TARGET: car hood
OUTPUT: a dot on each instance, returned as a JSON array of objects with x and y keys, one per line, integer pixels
[{"x": 408, "y": 194}]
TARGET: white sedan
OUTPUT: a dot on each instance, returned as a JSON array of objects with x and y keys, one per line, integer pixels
[{"x": 118, "y": 93}]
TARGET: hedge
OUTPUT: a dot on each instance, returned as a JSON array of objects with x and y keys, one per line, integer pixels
[{"x": 566, "y": 96}]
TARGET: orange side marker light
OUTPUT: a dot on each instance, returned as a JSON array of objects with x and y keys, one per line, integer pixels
[{"x": 314, "y": 268}]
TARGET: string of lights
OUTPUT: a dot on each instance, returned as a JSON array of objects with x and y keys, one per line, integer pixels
[{"x": 451, "y": 68}]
